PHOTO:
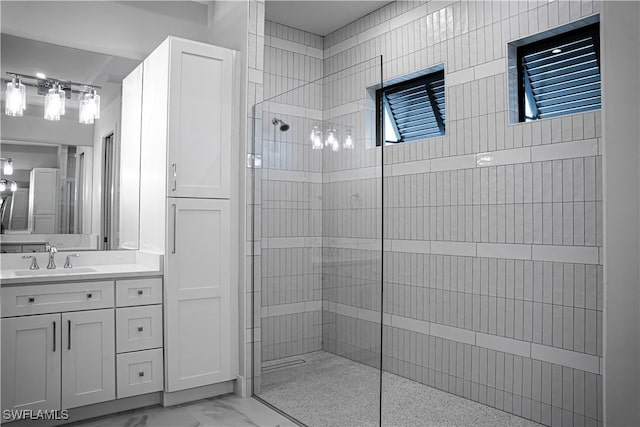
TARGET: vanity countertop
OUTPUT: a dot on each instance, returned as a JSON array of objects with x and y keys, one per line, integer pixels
[{"x": 95, "y": 266}]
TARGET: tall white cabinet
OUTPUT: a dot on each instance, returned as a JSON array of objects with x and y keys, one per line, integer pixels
[{"x": 187, "y": 158}]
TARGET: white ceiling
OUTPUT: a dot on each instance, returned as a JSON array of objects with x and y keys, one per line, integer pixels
[
  {"x": 26, "y": 56},
  {"x": 318, "y": 17}
]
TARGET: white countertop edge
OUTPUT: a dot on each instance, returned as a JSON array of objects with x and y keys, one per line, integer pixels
[{"x": 8, "y": 277}]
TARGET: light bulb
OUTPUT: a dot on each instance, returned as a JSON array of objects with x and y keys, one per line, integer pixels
[
  {"x": 3, "y": 185},
  {"x": 54, "y": 103},
  {"x": 16, "y": 98},
  {"x": 8, "y": 167},
  {"x": 348, "y": 142},
  {"x": 316, "y": 139},
  {"x": 14, "y": 186},
  {"x": 332, "y": 141},
  {"x": 89, "y": 107}
]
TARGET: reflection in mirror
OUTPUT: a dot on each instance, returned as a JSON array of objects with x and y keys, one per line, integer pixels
[
  {"x": 50, "y": 196},
  {"x": 63, "y": 188}
]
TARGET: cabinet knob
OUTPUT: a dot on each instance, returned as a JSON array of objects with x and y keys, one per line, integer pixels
[
  {"x": 140, "y": 328},
  {"x": 139, "y": 291},
  {"x": 32, "y": 299},
  {"x": 89, "y": 295},
  {"x": 141, "y": 374}
]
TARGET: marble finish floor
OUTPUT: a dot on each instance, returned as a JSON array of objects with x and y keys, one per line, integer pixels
[
  {"x": 223, "y": 411},
  {"x": 329, "y": 390}
]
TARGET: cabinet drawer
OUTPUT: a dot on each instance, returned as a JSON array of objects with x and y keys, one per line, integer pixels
[
  {"x": 138, "y": 328},
  {"x": 139, "y": 373},
  {"x": 39, "y": 299},
  {"x": 138, "y": 292}
]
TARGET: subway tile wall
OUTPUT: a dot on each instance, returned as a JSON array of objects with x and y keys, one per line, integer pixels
[
  {"x": 492, "y": 233},
  {"x": 290, "y": 188}
]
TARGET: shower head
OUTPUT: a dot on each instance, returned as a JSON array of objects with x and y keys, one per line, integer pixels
[{"x": 283, "y": 126}]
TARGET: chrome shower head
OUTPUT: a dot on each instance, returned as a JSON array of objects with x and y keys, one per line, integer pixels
[{"x": 283, "y": 126}]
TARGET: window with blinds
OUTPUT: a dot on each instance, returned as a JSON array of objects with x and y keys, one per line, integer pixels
[
  {"x": 560, "y": 74},
  {"x": 413, "y": 109}
]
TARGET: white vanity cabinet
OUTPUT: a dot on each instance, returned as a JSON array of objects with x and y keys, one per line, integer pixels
[
  {"x": 188, "y": 155},
  {"x": 72, "y": 344},
  {"x": 61, "y": 360}
]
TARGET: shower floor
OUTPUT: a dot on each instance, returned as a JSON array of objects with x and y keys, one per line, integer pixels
[{"x": 322, "y": 389}]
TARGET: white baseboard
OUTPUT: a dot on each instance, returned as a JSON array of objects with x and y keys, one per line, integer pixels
[{"x": 204, "y": 392}]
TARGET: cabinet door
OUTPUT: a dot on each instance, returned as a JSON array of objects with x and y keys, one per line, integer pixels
[
  {"x": 198, "y": 294},
  {"x": 200, "y": 120},
  {"x": 88, "y": 357},
  {"x": 31, "y": 362}
]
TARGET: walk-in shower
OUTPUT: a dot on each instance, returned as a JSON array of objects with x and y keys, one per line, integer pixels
[{"x": 447, "y": 279}]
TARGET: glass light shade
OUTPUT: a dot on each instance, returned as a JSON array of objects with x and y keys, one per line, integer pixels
[
  {"x": 8, "y": 167},
  {"x": 332, "y": 140},
  {"x": 348, "y": 142},
  {"x": 14, "y": 186},
  {"x": 3, "y": 185},
  {"x": 316, "y": 139},
  {"x": 54, "y": 103},
  {"x": 15, "y": 99},
  {"x": 89, "y": 107}
]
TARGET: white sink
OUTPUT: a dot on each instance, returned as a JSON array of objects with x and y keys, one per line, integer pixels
[{"x": 58, "y": 271}]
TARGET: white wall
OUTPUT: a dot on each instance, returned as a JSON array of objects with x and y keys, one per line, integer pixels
[
  {"x": 130, "y": 29},
  {"x": 33, "y": 127},
  {"x": 621, "y": 111}
]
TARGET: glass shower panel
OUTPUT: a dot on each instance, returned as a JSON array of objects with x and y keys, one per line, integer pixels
[{"x": 317, "y": 250}]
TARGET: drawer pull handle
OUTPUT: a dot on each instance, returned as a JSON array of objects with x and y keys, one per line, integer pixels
[
  {"x": 140, "y": 328},
  {"x": 89, "y": 295},
  {"x": 69, "y": 334},
  {"x": 140, "y": 292},
  {"x": 54, "y": 336},
  {"x": 141, "y": 374},
  {"x": 32, "y": 299}
]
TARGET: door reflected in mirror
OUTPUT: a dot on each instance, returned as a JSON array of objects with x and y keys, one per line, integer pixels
[{"x": 51, "y": 189}]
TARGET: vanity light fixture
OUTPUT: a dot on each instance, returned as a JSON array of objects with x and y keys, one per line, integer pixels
[
  {"x": 54, "y": 102},
  {"x": 16, "y": 97},
  {"x": 12, "y": 185},
  {"x": 55, "y": 92},
  {"x": 7, "y": 167},
  {"x": 88, "y": 106}
]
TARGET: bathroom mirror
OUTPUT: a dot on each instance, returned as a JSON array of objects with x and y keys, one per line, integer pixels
[{"x": 64, "y": 185}]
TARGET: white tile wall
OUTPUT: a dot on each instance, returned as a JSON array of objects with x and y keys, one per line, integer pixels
[{"x": 493, "y": 233}]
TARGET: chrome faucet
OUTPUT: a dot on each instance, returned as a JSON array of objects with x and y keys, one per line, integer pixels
[
  {"x": 34, "y": 262},
  {"x": 52, "y": 260},
  {"x": 67, "y": 263}
]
